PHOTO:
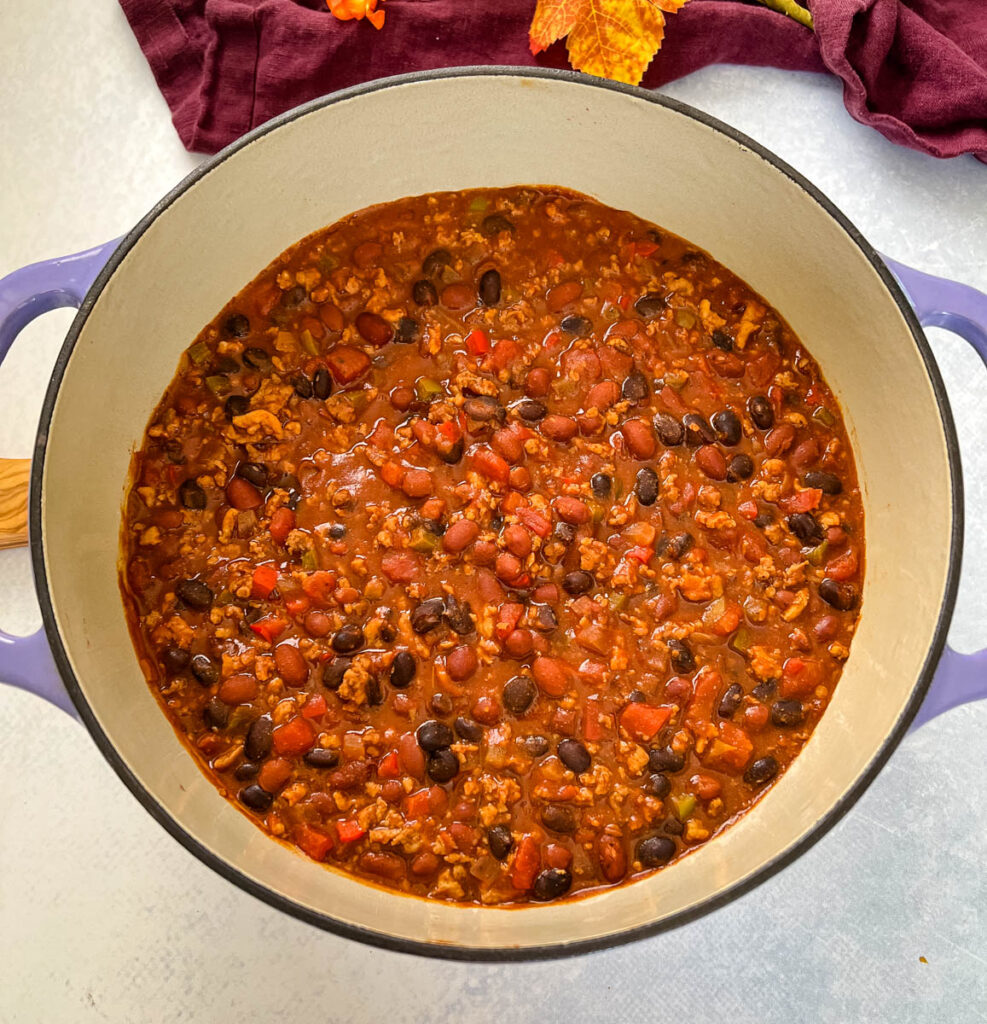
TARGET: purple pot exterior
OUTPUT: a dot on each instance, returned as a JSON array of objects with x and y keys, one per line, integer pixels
[{"x": 27, "y": 293}]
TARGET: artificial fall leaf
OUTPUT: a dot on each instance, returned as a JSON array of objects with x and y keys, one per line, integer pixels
[
  {"x": 609, "y": 38},
  {"x": 357, "y": 10}
]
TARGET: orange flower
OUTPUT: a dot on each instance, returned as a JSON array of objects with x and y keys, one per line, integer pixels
[{"x": 357, "y": 10}]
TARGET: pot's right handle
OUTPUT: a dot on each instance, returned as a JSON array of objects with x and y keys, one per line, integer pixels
[
  {"x": 26, "y": 661},
  {"x": 961, "y": 309}
]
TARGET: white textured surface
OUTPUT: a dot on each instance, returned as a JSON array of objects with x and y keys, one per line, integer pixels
[{"x": 104, "y": 918}]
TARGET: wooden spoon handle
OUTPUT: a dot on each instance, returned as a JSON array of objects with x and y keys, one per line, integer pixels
[{"x": 14, "y": 477}]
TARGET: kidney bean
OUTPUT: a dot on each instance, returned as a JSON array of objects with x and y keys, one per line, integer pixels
[
  {"x": 292, "y": 667},
  {"x": 571, "y": 510},
  {"x": 384, "y": 865},
  {"x": 517, "y": 540},
  {"x": 274, "y": 774},
  {"x": 779, "y": 439},
  {"x": 317, "y": 624},
  {"x": 458, "y": 296},
  {"x": 612, "y": 857},
  {"x": 374, "y": 329},
  {"x": 508, "y": 443},
  {"x": 552, "y": 675},
  {"x": 486, "y": 710},
  {"x": 826, "y": 628},
  {"x": 559, "y": 428},
  {"x": 640, "y": 438},
  {"x": 239, "y": 689},
  {"x": 508, "y": 567},
  {"x": 711, "y": 461},
  {"x": 410, "y": 756},
  {"x": 519, "y": 643},
  {"x": 805, "y": 454},
  {"x": 537, "y": 382},
  {"x": 242, "y": 495},
  {"x": 460, "y": 535},
  {"x": 417, "y": 483},
  {"x": 461, "y": 662}
]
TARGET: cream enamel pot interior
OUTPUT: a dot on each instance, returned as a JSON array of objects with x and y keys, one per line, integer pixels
[{"x": 466, "y": 129}]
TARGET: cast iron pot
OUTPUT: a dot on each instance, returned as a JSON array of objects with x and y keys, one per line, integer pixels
[{"x": 148, "y": 295}]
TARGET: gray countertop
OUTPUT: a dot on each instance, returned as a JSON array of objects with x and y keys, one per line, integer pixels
[{"x": 103, "y": 917}]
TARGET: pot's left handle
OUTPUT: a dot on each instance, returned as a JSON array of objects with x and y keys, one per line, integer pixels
[
  {"x": 938, "y": 302},
  {"x": 26, "y": 661}
]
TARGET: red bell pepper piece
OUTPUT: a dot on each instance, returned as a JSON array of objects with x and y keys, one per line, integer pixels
[
  {"x": 264, "y": 582},
  {"x": 349, "y": 831},
  {"x": 527, "y": 860},
  {"x": 316, "y": 844},
  {"x": 269, "y": 628},
  {"x": 642, "y": 721},
  {"x": 477, "y": 343}
]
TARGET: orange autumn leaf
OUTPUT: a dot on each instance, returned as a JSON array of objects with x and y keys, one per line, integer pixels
[
  {"x": 357, "y": 10},
  {"x": 608, "y": 38}
]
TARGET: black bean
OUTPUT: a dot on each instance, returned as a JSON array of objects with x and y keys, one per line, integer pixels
[
  {"x": 726, "y": 425},
  {"x": 841, "y": 596},
  {"x": 236, "y": 405},
  {"x": 650, "y": 305},
  {"x": 732, "y": 698},
  {"x": 174, "y": 659},
  {"x": 254, "y": 473},
  {"x": 236, "y": 326},
  {"x": 545, "y": 619},
  {"x": 646, "y": 486},
  {"x": 375, "y": 692},
  {"x": 302, "y": 386},
  {"x": 559, "y": 818},
  {"x": 739, "y": 468},
  {"x": 424, "y": 293},
  {"x": 564, "y": 532},
  {"x": 192, "y": 495},
  {"x": 226, "y": 366},
  {"x": 497, "y": 523},
  {"x": 682, "y": 657},
  {"x": 654, "y": 235},
  {"x": 246, "y": 771},
  {"x": 635, "y": 387},
  {"x": 552, "y": 883},
  {"x": 434, "y": 526},
  {"x": 673, "y": 827},
  {"x": 333, "y": 672},
  {"x": 657, "y": 785},
  {"x": 763, "y": 691},
  {"x": 786, "y": 713},
  {"x": 489, "y": 289},
  {"x": 442, "y": 766},
  {"x": 664, "y": 759},
  {"x": 457, "y": 616},
  {"x": 519, "y": 694},
  {"x": 494, "y": 224},
  {"x": 763, "y": 770},
  {"x": 467, "y": 729},
  {"x": 174, "y": 454},
  {"x": 435, "y": 261},
  {"x": 806, "y": 527},
  {"x": 761, "y": 412},
  {"x": 205, "y": 670},
  {"x": 450, "y": 452},
  {"x": 320, "y": 757},
  {"x": 531, "y": 410},
  {"x": 574, "y": 756},
  {"x": 403, "y": 669},
  {"x": 427, "y": 615},
  {"x": 434, "y": 735},
  {"x": 601, "y": 484},
  {"x": 216, "y": 713},
  {"x": 348, "y": 638},
  {"x": 500, "y": 840},
  {"x": 654, "y": 851},
  {"x": 337, "y": 531},
  {"x": 255, "y": 798},
  {"x": 763, "y": 520},
  {"x": 535, "y": 746},
  {"x": 321, "y": 384},
  {"x": 697, "y": 430},
  {"x": 257, "y": 358},
  {"x": 294, "y": 296},
  {"x": 387, "y": 632},
  {"x": 637, "y": 697},
  {"x": 195, "y": 594},
  {"x": 670, "y": 432},
  {"x": 406, "y": 330},
  {"x": 828, "y": 483},
  {"x": 722, "y": 340},
  {"x": 579, "y": 581},
  {"x": 441, "y": 703},
  {"x": 578, "y": 325},
  {"x": 260, "y": 739}
]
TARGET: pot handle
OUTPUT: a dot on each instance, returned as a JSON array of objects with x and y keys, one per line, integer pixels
[
  {"x": 26, "y": 661},
  {"x": 938, "y": 302}
]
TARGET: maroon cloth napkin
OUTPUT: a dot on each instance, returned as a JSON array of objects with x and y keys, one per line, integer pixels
[{"x": 916, "y": 70}]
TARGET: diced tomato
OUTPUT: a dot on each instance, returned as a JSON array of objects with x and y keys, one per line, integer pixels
[
  {"x": 557, "y": 856},
  {"x": 264, "y": 581},
  {"x": 535, "y": 522},
  {"x": 424, "y": 432},
  {"x": 294, "y": 737},
  {"x": 297, "y": 604},
  {"x": 706, "y": 689},
  {"x": 477, "y": 343},
  {"x": 315, "y": 706},
  {"x": 799, "y": 676},
  {"x": 670, "y": 399},
  {"x": 463, "y": 836},
  {"x": 347, "y": 363},
  {"x": 400, "y": 566},
  {"x": 349, "y": 831},
  {"x": 595, "y": 723},
  {"x": 269, "y": 628},
  {"x": 592, "y": 672},
  {"x": 645, "y": 248},
  {"x": 801, "y": 501},
  {"x": 504, "y": 354},
  {"x": 437, "y": 800},
  {"x": 731, "y": 751},
  {"x": 728, "y": 621},
  {"x": 844, "y": 566},
  {"x": 320, "y": 586},
  {"x": 392, "y": 473},
  {"x": 748, "y": 509},
  {"x": 640, "y": 554},
  {"x": 508, "y": 616},
  {"x": 416, "y": 805},
  {"x": 388, "y": 767},
  {"x": 527, "y": 860},
  {"x": 450, "y": 431},
  {"x": 489, "y": 464},
  {"x": 316, "y": 844},
  {"x": 642, "y": 721},
  {"x": 282, "y": 523}
]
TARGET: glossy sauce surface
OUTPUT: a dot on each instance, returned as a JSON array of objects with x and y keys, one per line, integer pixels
[{"x": 495, "y": 546}]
